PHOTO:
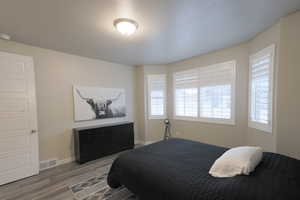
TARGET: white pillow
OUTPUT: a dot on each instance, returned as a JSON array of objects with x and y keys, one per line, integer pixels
[{"x": 236, "y": 161}]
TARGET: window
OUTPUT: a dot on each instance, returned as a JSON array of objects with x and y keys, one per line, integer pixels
[
  {"x": 261, "y": 89},
  {"x": 186, "y": 94},
  {"x": 157, "y": 96},
  {"x": 206, "y": 93},
  {"x": 186, "y": 101},
  {"x": 215, "y": 101}
]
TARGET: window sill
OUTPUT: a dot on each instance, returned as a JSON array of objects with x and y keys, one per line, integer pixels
[
  {"x": 260, "y": 126},
  {"x": 207, "y": 120},
  {"x": 157, "y": 117}
]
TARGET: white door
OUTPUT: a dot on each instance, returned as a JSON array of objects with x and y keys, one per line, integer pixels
[{"x": 18, "y": 118}]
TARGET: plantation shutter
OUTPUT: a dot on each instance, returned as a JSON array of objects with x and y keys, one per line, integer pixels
[
  {"x": 260, "y": 89},
  {"x": 186, "y": 93},
  {"x": 157, "y": 96},
  {"x": 216, "y": 84}
]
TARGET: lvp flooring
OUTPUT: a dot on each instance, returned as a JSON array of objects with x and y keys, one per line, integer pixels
[{"x": 52, "y": 184}]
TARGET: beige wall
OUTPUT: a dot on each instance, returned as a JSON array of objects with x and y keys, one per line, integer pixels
[
  {"x": 286, "y": 103},
  {"x": 223, "y": 135},
  {"x": 151, "y": 129},
  {"x": 56, "y": 73},
  {"x": 140, "y": 109},
  {"x": 261, "y": 41},
  {"x": 289, "y": 91},
  {"x": 155, "y": 127}
]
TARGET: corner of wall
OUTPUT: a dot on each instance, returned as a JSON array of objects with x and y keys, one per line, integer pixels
[{"x": 150, "y": 130}]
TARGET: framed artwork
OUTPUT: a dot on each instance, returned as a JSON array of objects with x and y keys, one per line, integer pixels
[{"x": 96, "y": 103}]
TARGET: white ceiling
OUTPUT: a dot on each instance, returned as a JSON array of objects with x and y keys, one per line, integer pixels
[{"x": 169, "y": 30}]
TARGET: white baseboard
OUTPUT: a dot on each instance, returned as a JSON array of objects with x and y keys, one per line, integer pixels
[
  {"x": 139, "y": 142},
  {"x": 45, "y": 164},
  {"x": 144, "y": 143},
  {"x": 149, "y": 142},
  {"x": 66, "y": 160}
]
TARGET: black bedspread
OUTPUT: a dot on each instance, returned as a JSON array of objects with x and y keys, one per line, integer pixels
[{"x": 178, "y": 170}]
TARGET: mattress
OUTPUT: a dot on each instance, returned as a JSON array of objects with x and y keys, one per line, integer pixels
[{"x": 177, "y": 169}]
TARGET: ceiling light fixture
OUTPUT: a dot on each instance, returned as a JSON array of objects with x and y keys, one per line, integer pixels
[
  {"x": 4, "y": 36},
  {"x": 126, "y": 26}
]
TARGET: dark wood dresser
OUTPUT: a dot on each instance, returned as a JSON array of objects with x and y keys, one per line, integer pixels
[{"x": 98, "y": 141}]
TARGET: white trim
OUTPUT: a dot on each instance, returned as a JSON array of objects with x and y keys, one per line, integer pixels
[
  {"x": 149, "y": 142},
  {"x": 30, "y": 73},
  {"x": 230, "y": 121},
  {"x": 207, "y": 120},
  {"x": 185, "y": 118},
  {"x": 139, "y": 142},
  {"x": 151, "y": 77},
  {"x": 66, "y": 160},
  {"x": 260, "y": 126},
  {"x": 157, "y": 116},
  {"x": 144, "y": 142},
  {"x": 58, "y": 162},
  {"x": 254, "y": 124}
]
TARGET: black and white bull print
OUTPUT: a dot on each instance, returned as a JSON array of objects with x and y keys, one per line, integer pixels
[{"x": 102, "y": 106}]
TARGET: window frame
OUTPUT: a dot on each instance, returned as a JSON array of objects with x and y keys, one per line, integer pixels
[
  {"x": 150, "y": 78},
  {"x": 230, "y": 121},
  {"x": 255, "y": 124}
]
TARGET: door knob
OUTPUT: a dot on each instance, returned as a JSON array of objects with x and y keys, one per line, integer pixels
[{"x": 33, "y": 131}]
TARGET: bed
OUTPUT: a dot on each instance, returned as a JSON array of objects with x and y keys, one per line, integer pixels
[{"x": 177, "y": 169}]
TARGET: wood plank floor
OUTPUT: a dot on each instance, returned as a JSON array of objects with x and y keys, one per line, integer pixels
[{"x": 52, "y": 184}]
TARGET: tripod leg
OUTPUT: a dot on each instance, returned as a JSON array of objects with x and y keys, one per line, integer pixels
[
  {"x": 166, "y": 133},
  {"x": 169, "y": 132}
]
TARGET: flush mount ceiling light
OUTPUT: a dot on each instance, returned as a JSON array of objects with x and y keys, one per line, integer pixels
[
  {"x": 4, "y": 36},
  {"x": 126, "y": 26}
]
